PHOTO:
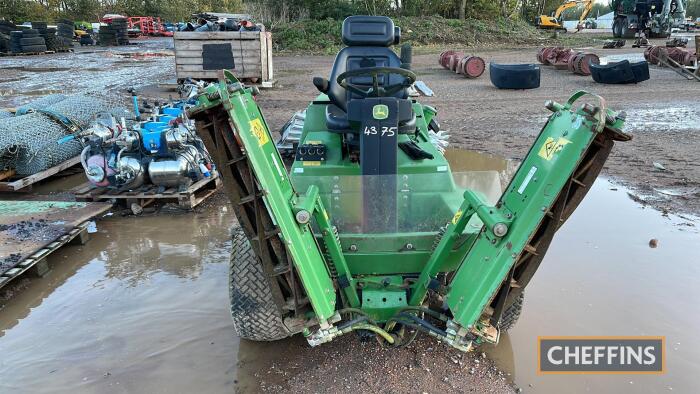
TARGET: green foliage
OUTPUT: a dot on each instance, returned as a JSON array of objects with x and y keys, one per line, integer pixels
[
  {"x": 92, "y": 10},
  {"x": 323, "y": 36}
]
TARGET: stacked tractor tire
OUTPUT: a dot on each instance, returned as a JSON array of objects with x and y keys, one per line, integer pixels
[
  {"x": 5, "y": 29},
  {"x": 114, "y": 33},
  {"x": 65, "y": 31},
  {"x": 52, "y": 41},
  {"x": 567, "y": 59},
  {"x": 30, "y": 41},
  {"x": 468, "y": 65},
  {"x": 682, "y": 56}
]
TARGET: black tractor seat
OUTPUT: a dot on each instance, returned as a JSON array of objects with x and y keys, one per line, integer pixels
[{"x": 337, "y": 119}]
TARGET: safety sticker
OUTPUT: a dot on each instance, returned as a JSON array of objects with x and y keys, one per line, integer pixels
[
  {"x": 552, "y": 147},
  {"x": 458, "y": 215},
  {"x": 311, "y": 163},
  {"x": 258, "y": 131},
  {"x": 527, "y": 179}
]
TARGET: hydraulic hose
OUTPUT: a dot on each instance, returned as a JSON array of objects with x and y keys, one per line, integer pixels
[
  {"x": 369, "y": 327},
  {"x": 83, "y": 159},
  {"x": 350, "y": 323},
  {"x": 425, "y": 310},
  {"x": 420, "y": 322}
]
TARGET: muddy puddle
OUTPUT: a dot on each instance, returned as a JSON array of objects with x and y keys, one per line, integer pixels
[
  {"x": 86, "y": 70},
  {"x": 682, "y": 116},
  {"x": 143, "y": 307}
]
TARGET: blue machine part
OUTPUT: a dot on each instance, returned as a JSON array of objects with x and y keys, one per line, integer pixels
[
  {"x": 152, "y": 135},
  {"x": 171, "y": 111},
  {"x": 166, "y": 118}
]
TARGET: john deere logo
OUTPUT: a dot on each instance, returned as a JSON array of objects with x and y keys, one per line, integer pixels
[{"x": 380, "y": 111}]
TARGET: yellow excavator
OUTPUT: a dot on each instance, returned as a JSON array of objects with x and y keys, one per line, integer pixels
[{"x": 554, "y": 21}]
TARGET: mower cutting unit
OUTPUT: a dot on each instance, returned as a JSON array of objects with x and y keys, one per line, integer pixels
[{"x": 368, "y": 230}]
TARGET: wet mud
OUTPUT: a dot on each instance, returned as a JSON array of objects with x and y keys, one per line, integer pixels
[{"x": 143, "y": 308}]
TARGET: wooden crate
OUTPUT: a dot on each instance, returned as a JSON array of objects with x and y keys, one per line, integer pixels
[
  {"x": 25, "y": 184},
  {"x": 188, "y": 199},
  {"x": 200, "y": 55}
]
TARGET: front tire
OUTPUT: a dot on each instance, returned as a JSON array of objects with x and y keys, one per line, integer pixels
[
  {"x": 512, "y": 313},
  {"x": 255, "y": 314}
]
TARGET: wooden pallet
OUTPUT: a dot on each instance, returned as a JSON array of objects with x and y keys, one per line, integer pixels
[
  {"x": 25, "y": 184},
  {"x": 35, "y": 229},
  {"x": 37, "y": 263},
  {"x": 190, "y": 198},
  {"x": 26, "y": 53}
]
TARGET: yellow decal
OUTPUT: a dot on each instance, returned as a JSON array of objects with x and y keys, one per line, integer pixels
[
  {"x": 458, "y": 215},
  {"x": 311, "y": 163},
  {"x": 259, "y": 132},
  {"x": 551, "y": 147}
]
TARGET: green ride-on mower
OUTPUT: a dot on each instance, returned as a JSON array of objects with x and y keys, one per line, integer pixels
[{"x": 368, "y": 230}]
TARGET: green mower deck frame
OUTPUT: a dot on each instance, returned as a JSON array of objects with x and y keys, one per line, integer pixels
[{"x": 428, "y": 242}]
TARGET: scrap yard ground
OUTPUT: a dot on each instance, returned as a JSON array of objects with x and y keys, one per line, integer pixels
[{"x": 143, "y": 307}]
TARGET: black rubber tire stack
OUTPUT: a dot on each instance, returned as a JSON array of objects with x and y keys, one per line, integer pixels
[
  {"x": 5, "y": 29},
  {"x": 64, "y": 34},
  {"x": 16, "y": 41},
  {"x": 52, "y": 42},
  {"x": 32, "y": 42},
  {"x": 119, "y": 27},
  {"x": 105, "y": 37},
  {"x": 49, "y": 35}
]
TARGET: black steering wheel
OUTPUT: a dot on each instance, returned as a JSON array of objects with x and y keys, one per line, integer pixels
[{"x": 376, "y": 91}]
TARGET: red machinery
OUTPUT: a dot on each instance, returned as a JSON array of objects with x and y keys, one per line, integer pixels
[{"x": 147, "y": 26}]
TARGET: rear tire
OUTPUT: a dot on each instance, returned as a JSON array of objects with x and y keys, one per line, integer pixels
[
  {"x": 512, "y": 314},
  {"x": 617, "y": 28},
  {"x": 255, "y": 314}
]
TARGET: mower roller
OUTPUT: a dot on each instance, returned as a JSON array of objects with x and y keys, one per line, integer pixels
[{"x": 368, "y": 230}]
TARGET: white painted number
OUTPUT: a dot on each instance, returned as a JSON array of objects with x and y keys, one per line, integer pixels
[{"x": 385, "y": 131}]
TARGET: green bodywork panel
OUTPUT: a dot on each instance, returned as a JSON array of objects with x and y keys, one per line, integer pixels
[
  {"x": 439, "y": 226},
  {"x": 532, "y": 191},
  {"x": 427, "y": 198}
]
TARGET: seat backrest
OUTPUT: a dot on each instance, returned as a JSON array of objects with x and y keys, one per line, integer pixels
[{"x": 368, "y": 40}]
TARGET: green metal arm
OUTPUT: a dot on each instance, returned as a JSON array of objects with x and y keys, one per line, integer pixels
[
  {"x": 250, "y": 128},
  {"x": 546, "y": 170}
]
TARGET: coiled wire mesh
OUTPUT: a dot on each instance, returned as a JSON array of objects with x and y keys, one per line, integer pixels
[
  {"x": 32, "y": 143},
  {"x": 42, "y": 102}
]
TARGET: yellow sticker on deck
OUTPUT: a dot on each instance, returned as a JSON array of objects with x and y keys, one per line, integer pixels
[
  {"x": 311, "y": 163},
  {"x": 258, "y": 130},
  {"x": 458, "y": 215},
  {"x": 551, "y": 147}
]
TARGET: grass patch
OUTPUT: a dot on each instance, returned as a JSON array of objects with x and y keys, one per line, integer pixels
[{"x": 323, "y": 36}]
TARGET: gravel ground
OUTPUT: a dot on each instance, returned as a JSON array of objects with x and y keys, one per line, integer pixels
[{"x": 348, "y": 365}]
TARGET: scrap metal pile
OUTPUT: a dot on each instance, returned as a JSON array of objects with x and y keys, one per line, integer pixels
[
  {"x": 163, "y": 151},
  {"x": 33, "y": 140},
  {"x": 682, "y": 56},
  {"x": 468, "y": 65},
  {"x": 568, "y": 59},
  {"x": 221, "y": 22}
]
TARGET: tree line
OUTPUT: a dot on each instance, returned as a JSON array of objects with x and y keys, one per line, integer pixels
[{"x": 280, "y": 11}]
